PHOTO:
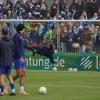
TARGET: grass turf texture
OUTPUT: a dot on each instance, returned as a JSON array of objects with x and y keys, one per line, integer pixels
[{"x": 60, "y": 85}]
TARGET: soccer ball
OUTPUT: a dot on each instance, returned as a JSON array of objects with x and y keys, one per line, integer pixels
[
  {"x": 75, "y": 69},
  {"x": 54, "y": 68},
  {"x": 42, "y": 90},
  {"x": 70, "y": 69}
]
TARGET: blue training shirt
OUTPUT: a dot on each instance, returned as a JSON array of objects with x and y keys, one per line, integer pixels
[{"x": 19, "y": 46}]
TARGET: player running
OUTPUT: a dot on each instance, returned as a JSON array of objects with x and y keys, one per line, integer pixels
[{"x": 6, "y": 57}]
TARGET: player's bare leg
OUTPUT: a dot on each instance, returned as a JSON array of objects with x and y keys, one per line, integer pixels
[
  {"x": 20, "y": 73},
  {"x": 17, "y": 75},
  {"x": 11, "y": 82},
  {"x": 1, "y": 85},
  {"x": 21, "y": 82}
]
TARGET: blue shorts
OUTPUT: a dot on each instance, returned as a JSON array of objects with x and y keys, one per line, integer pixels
[
  {"x": 5, "y": 70},
  {"x": 19, "y": 65}
]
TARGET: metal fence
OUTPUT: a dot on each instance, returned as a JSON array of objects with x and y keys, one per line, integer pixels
[{"x": 65, "y": 36}]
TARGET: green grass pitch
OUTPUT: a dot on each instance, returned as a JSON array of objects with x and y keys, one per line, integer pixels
[{"x": 60, "y": 85}]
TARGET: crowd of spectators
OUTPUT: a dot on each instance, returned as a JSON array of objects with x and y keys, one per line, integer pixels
[
  {"x": 80, "y": 9},
  {"x": 73, "y": 36},
  {"x": 35, "y": 10},
  {"x": 40, "y": 9},
  {"x": 6, "y": 9},
  {"x": 80, "y": 36},
  {"x": 37, "y": 33},
  {"x": 28, "y": 9}
]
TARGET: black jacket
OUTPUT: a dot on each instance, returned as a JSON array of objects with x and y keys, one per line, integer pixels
[
  {"x": 44, "y": 51},
  {"x": 6, "y": 51}
]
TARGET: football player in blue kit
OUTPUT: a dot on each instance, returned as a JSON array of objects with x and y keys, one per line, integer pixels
[{"x": 6, "y": 58}]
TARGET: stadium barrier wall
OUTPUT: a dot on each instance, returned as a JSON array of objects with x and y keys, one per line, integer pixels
[{"x": 81, "y": 61}]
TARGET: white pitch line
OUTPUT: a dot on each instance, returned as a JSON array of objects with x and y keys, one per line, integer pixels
[
  {"x": 80, "y": 73},
  {"x": 63, "y": 86}
]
